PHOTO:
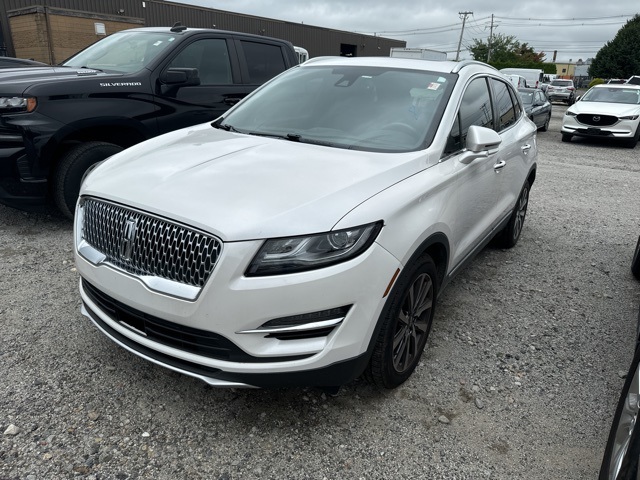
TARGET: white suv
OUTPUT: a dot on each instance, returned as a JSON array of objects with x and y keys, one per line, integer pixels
[{"x": 304, "y": 237}]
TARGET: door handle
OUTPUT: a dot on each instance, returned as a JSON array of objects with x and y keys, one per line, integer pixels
[
  {"x": 525, "y": 148},
  {"x": 232, "y": 100},
  {"x": 499, "y": 165}
]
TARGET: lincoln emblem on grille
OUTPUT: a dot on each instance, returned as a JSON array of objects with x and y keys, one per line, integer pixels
[
  {"x": 129, "y": 234},
  {"x": 596, "y": 118}
]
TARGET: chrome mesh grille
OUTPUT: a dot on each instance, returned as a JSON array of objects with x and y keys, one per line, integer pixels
[{"x": 156, "y": 247}]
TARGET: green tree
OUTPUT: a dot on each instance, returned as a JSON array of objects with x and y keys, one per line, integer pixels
[
  {"x": 506, "y": 52},
  {"x": 620, "y": 57}
]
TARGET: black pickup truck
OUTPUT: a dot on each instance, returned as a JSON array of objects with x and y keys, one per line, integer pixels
[{"x": 56, "y": 122}]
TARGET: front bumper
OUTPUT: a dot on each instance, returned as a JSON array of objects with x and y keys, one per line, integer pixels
[
  {"x": 18, "y": 187},
  {"x": 231, "y": 303},
  {"x": 622, "y": 129}
]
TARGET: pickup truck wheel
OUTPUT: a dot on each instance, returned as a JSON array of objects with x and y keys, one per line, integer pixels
[
  {"x": 68, "y": 174},
  {"x": 511, "y": 233},
  {"x": 406, "y": 325}
]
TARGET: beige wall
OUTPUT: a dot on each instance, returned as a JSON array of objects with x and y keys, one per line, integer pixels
[
  {"x": 29, "y": 34},
  {"x": 569, "y": 70},
  {"x": 67, "y": 32}
]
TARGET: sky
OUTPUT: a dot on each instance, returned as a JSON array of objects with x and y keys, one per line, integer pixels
[{"x": 575, "y": 29}]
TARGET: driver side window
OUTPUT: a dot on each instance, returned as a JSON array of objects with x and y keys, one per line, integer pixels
[
  {"x": 211, "y": 58},
  {"x": 475, "y": 109}
]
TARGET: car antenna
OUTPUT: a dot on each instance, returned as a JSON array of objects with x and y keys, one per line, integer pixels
[{"x": 178, "y": 27}]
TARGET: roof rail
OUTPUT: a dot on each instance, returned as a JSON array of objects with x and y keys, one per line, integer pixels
[{"x": 465, "y": 63}]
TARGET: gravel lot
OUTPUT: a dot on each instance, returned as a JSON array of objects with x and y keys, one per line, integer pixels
[{"x": 519, "y": 380}]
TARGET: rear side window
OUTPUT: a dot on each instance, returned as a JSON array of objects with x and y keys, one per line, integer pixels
[
  {"x": 504, "y": 105},
  {"x": 475, "y": 109},
  {"x": 264, "y": 61}
]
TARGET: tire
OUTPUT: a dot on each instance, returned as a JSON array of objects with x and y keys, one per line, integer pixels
[
  {"x": 632, "y": 142},
  {"x": 509, "y": 236},
  {"x": 545, "y": 127},
  {"x": 635, "y": 263},
  {"x": 621, "y": 453},
  {"x": 69, "y": 171},
  {"x": 407, "y": 319},
  {"x": 566, "y": 137}
]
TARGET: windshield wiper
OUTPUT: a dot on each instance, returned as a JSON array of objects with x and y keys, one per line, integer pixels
[{"x": 226, "y": 126}]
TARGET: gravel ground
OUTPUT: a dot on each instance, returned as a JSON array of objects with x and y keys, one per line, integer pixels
[{"x": 519, "y": 380}]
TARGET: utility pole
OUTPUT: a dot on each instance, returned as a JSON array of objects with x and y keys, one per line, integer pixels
[
  {"x": 464, "y": 20},
  {"x": 490, "y": 38}
]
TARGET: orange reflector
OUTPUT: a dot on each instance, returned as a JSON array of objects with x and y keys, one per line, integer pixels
[
  {"x": 393, "y": 279},
  {"x": 31, "y": 104}
]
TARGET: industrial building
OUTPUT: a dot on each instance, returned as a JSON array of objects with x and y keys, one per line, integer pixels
[{"x": 52, "y": 30}]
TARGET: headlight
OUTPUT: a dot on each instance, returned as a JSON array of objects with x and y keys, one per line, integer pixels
[
  {"x": 570, "y": 114},
  {"x": 629, "y": 117},
  {"x": 297, "y": 254},
  {"x": 17, "y": 104}
]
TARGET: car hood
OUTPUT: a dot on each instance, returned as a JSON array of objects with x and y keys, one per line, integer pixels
[
  {"x": 602, "y": 108},
  {"x": 18, "y": 80},
  {"x": 242, "y": 187}
]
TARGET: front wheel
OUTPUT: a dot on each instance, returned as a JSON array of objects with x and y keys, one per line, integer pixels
[
  {"x": 70, "y": 170},
  {"x": 407, "y": 320},
  {"x": 635, "y": 263}
]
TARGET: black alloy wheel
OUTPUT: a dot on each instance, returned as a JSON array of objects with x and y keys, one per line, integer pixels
[{"x": 407, "y": 321}]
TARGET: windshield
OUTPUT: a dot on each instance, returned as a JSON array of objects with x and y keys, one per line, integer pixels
[
  {"x": 527, "y": 97},
  {"x": 355, "y": 107},
  {"x": 612, "y": 95},
  {"x": 123, "y": 52}
]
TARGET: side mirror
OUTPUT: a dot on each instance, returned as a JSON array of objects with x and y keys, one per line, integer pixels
[
  {"x": 481, "y": 142},
  {"x": 180, "y": 77}
]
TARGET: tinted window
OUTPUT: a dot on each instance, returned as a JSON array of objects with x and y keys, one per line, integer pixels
[
  {"x": 475, "y": 109},
  {"x": 504, "y": 105},
  {"x": 210, "y": 57},
  {"x": 263, "y": 61}
]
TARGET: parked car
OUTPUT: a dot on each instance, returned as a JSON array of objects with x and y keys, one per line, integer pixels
[
  {"x": 135, "y": 84},
  {"x": 10, "y": 62},
  {"x": 562, "y": 90},
  {"x": 605, "y": 111},
  {"x": 304, "y": 236},
  {"x": 537, "y": 107},
  {"x": 615, "y": 81},
  {"x": 621, "y": 459}
]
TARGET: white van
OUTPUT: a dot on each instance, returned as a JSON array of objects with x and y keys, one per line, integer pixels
[
  {"x": 517, "y": 81},
  {"x": 533, "y": 75}
]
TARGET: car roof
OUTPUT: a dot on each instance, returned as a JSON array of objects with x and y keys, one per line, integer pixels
[{"x": 442, "y": 66}]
